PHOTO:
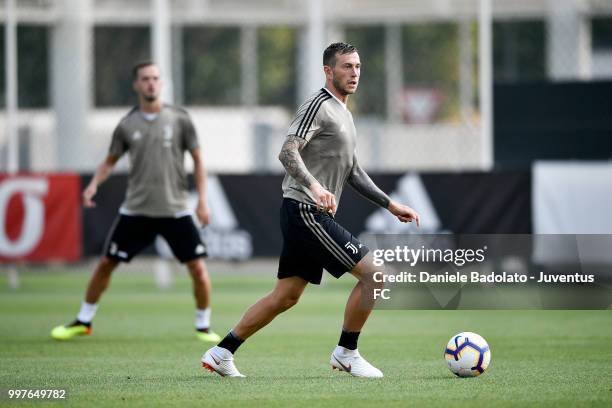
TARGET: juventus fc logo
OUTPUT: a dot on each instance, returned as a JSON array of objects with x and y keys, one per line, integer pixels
[
  {"x": 168, "y": 136},
  {"x": 351, "y": 247}
]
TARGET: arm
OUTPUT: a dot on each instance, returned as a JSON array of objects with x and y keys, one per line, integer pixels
[
  {"x": 363, "y": 184},
  {"x": 294, "y": 165},
  {"x": 199, "y": 173},
  {"x": 101, "y": 174}
]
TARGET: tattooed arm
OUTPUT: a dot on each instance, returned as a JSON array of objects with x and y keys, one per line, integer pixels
[
  {"x": 292, "y": 160},
  {"x": 363, "y": 184},
  {"x": 293, "y": 163}
]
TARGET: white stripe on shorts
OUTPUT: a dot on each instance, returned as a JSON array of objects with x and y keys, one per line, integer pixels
[
  {"x": 337, "y": 246},
  {"x": 325, "y": 239}
]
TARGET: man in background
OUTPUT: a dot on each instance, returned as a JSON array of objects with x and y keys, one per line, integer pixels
[{"x": 156, "y": 137}]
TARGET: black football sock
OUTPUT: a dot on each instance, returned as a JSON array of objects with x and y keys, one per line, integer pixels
[
  {"x": 231, "y": 342},
  {"x": 348, "y": 340},
  {"x": 77, "y": 322}
]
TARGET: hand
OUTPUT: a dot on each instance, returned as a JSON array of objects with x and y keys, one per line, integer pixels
[
  {"x": 202, "y": 212},
  {"x": 324, "y": 199},
  {"x": 404, "y": 213},
  {"x": 88, "y": 194}
]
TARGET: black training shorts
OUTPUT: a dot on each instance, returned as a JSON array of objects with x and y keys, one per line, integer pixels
[
  {"x": 313, "y": 240},
  {"x": 131, "y": 234}
]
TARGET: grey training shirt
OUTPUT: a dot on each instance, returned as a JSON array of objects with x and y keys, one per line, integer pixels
[
  {"x": 325, "y": 123},
  {"x": 157, "y": 182}
]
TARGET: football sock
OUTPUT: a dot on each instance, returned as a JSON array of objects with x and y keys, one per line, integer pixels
[
  {"x": 348, "y": 340},
  {"x": 87, "y": 312},
  {"x": 77, "y": 322},
  {"x": 231, "y": 342},
  {"x": 202, "y": 320}
]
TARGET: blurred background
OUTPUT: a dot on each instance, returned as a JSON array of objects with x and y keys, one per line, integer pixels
[{"x": 487, "y": 116}]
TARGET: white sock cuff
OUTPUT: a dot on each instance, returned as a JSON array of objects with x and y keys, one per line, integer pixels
[
  {"x": 203, "y": 318},
  {"x": 87, "y": 312}
]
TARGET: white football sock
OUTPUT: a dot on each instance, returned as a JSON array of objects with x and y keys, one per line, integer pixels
[
  {"x": 87, "y": 312},
  {"x": 202, "y": 318}
]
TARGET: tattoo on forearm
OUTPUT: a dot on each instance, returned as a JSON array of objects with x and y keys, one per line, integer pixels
[
  {"x": 292, "y": 160},
  {"x": 364, "y": 185}
]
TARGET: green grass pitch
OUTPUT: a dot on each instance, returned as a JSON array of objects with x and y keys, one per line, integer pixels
[{"x": 143, "y": 351}]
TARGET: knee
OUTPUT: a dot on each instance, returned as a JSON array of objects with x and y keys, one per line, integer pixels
[
  {"x": 369, "y": 279},
  {"x": 197, "y": 270},
  {"x": 286, "y": 301},
  {"x": 291, "y": 301},
  {"x": 376, "y": 283},
  {"x": 366, "y": 272},
  {"x": 107, "y": 265}
]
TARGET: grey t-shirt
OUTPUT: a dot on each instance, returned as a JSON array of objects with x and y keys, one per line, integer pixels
[
  {"x": 157, "y": 182},
  {"x": 327, "y": 126}
]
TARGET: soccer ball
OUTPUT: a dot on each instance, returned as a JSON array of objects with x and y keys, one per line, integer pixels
[{"x": 467, "y": 354}]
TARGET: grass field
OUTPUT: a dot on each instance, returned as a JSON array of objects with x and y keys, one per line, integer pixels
[{"x": 144, "y": 353}]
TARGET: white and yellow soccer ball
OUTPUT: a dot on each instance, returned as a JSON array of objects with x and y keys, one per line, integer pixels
[{"x": 467, "y": 354}]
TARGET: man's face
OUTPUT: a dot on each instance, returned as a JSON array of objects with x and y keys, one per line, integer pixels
[
  {"x": 346, "y": 72},
  {"x": 148, "y": 83}
]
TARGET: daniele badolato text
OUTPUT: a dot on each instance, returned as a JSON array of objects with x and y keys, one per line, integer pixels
[
  {"x": 478, "y": 277},
  {"x": 419, "y": 258}
]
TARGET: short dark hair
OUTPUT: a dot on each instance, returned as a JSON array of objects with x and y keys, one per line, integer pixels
[
  {"x": 329, "y": 55},
  {"x": 138, "y": 66}
]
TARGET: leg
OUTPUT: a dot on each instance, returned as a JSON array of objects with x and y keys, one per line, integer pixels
[
  {"x": 100, "y": 279},
  {"x": 201, "y": 292},
  {"x": 357, "y": 308},
  {"x": 97, "y": 285},
  {"x": 127, "y": 237},
  {"x": 345, "y": 357},
  {"x": 285, "y": 295},
  {"x": 187, "y": 246},
  {"x": 201, "y": 282}
]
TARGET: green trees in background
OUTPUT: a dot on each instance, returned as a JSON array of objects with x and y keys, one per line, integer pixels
[
  {"x": 211, "y": 61},
  {"x": 370, "y": 99},
  {"x": 429, "y": 60},
  {"x": 116, "y": 50},
  {"x": 33, "y": 66},
  {"x": 430, "y": 55},
  {"x": 211, "y": 58},
  {"x": 277, "y": 66}
]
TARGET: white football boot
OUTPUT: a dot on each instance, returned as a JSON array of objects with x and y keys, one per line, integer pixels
[
  {"x": 221, "y": 361},
  {"x": 351, "y": 361}
]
